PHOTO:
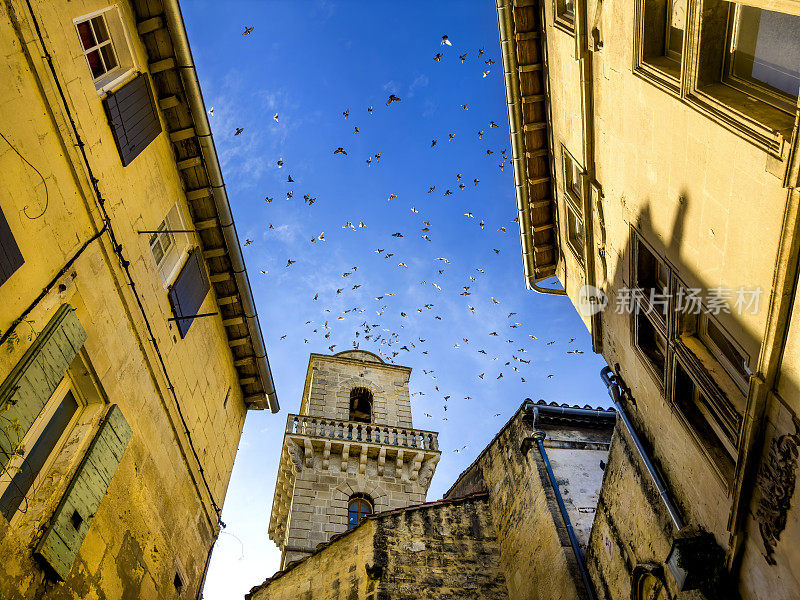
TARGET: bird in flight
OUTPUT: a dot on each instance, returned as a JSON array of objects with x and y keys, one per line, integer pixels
[
  {"x": 340, "y": 150},
  {"x": 463, "y": 57},
  {"x": 290, "y": 262},
  {"x": 280, "y": 163},
  {"x": 247, "y": 242},
  {"x": 493, "y": 124},
  {"x": 248, "y": 30},
  {"x": 476, "y": 181},
  {"x": 289, "y": 179},
  {"x": 486, "y": 73},
  {"x": 438, "y": 57},
  {"x": 276, "y": 118},
  {"x": 238, "y": 131},
  {"x": 355, "y": 131},
  {"x": 480, "y": 134},
  {"x": 369, "y": 110},
  {"x": 392, "y": 196},
  {"x": 452, "y": 135},
  {"x": 464, "y": 106},
  {"x": 346, "y": 114},
  {"x": 480, "y": 52},
  {"x": 446, "y": 41},
  {"x": 433, "y": 143},
  {"x": 268, "y": 199},
  {"x": 489, "y": 62},
  {"x": 211, "y": 112},
  {"x": 392, "y": 98}
]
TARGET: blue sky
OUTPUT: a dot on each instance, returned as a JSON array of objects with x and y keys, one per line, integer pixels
[{"x": 309, "y": 61}]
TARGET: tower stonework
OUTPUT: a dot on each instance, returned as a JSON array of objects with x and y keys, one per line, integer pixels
[{"x": 352, "y": 442}]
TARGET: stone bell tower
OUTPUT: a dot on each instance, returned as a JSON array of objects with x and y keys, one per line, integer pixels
[{"x": 350, "y": 451}]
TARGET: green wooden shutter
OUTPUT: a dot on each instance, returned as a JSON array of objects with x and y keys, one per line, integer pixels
[
  {"x": 35, "y": 377},
  {"x": 73, "y": 516}
]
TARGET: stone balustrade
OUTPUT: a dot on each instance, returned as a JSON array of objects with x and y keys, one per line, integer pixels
[{"x": 355, "y": 431}]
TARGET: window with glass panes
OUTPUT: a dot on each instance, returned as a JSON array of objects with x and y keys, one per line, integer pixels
[
  {"x": 98, "y": 47},
  {"x": 763, "y": 57},
  {"x": 357, "y": 509}
]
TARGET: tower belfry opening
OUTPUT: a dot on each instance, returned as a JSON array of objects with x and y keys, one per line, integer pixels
[{"x": 360, "y": 405}]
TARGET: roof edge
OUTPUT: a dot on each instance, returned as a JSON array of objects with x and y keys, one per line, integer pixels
[{"x": 185, "y": 63}]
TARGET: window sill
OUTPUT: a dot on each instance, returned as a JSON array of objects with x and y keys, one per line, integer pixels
[
  {"x": 753, "y": 120},
  {"x": 716, "y": 376},
  {"x": 662, "y": 72},
  {"x": 114, "y": 80},
  {"x": 564, "y": 25},
  {"x": 721, "y": 464}
]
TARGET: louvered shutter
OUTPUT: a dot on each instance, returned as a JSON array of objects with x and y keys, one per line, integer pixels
[
  {"x": 133, "y": 117},
  {"x": 10, "y": 256},
  {"x": 35, "y": 377},
  {"x": 189, "y": 290},
  {"x": 73, "y": 516}
]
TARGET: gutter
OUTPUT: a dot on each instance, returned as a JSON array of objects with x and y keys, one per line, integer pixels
[
  {"x": 613, "y": 384},
  {"x": 538, "y": 437},
  {"x": 508, "y": 45},
  {"x": 194, "y": 96},
  {"x": 572, "y": 411}
]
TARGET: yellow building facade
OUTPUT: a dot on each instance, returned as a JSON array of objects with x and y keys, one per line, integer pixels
[
  {"x": 657, "y": 164},
  {"x": 131, "y": 348}
]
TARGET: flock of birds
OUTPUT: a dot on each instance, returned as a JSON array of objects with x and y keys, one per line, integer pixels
[{"x": 391, "y": 343}]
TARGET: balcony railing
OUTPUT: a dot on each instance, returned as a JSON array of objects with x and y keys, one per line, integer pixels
[{"x": 362, "y": 432}]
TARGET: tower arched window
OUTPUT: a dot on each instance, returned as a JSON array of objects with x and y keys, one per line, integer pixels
[
  {"x": 359, "y": 507},
  {"x": 360, "y": 405}
]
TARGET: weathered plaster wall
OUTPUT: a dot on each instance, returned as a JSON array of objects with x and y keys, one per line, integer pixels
[
  {"x": 534, "y": 545},
  {"x": 630, "y": 526},
  {"x": 156, "y": 520},
  {"x": 711, "y": 204},
  {"x": 575, "y": 456}
]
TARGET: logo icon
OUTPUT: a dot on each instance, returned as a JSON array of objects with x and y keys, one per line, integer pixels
[{"x": 591, "y": 300}]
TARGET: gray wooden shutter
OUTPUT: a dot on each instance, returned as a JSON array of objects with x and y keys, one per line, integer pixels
[
  {"x": 73, "y": 516},
  {"x": 35, "y": 377},
  {"x": 10, "y": 256},
  {"x": 189, "y": 290},
  {"x": 133, "y": 117}
]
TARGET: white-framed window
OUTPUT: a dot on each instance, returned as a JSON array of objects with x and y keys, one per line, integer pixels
[
  {"x": 169, "y": 248},
  {"x": 106, "y": 47}
]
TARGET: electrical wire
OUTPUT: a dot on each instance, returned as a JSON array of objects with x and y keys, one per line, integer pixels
[
  {"x": 46, "y": 193},
  {"x": 124, "y": 263}
]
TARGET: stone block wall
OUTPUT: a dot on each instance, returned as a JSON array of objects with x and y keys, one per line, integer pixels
[
  {"x": 442, "y": 550},
  {"x": 338, "y": 572},
  {"x": 534, "y": 544},
  {"x": 331, "y": 378},
  {"x": 319, "y": 503},
  {"x": 156, "y": 520}
]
